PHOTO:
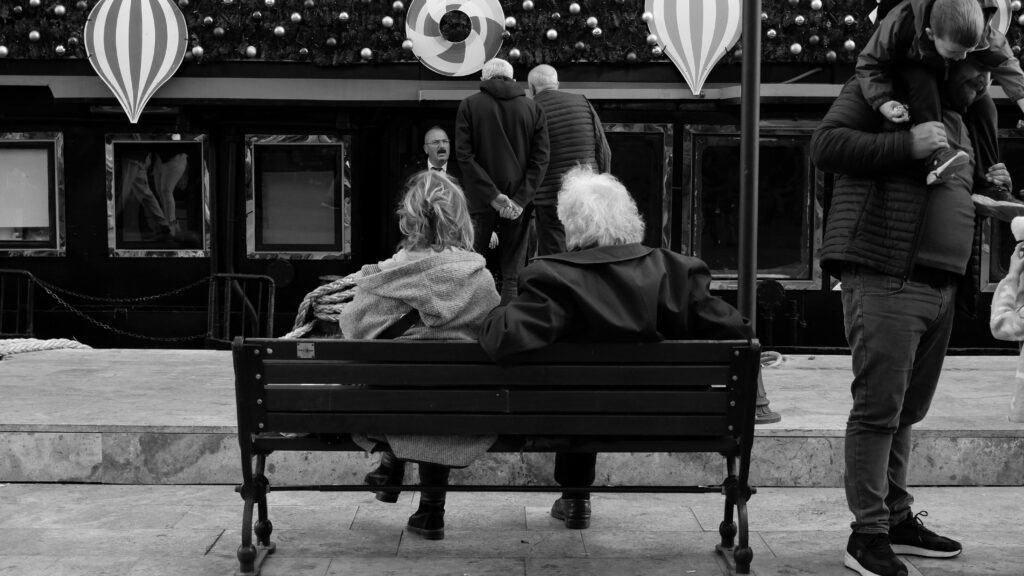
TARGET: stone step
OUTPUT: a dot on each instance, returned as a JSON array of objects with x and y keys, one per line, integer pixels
[{"x": 167, "y": 417}]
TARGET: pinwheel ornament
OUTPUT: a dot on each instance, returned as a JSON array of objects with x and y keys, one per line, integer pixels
[
  {"x": 135, "y": 46},
  {"x": 694, "y": 34}
]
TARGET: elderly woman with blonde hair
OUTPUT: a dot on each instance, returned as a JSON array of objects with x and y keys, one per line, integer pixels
[
  {"x": 606, "y": 288},
  {"x": 435, "y": 287}
]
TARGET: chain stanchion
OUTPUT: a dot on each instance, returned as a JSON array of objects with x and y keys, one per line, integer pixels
[{"x": 53, "y": 291}]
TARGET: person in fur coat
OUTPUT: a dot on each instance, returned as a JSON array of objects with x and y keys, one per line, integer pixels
[{"x": 435, "y": 287}]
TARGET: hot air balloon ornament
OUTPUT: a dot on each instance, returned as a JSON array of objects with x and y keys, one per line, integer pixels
[
  {"x": 694, "y": 34},
  {"x": 135, "y": 46}
]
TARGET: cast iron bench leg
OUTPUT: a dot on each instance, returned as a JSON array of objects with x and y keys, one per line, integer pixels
[
  {"x": 727, "y": 528},
  {"x": 254, "y": 492}
]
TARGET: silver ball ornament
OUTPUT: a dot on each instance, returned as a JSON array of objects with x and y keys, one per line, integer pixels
[
  {"x": 397, "y": 6},
  {"x": 34, "y": 36},
  {"x": 849, "y": 45},
  {"x": 652, "y": 39},
  {"x": 60, "y": 50},
  {"x": 387, "y": 21},
  {"x": 592, "y": 22},
  {"x": 1015, "y": 5},
  {"x": 34, "y": 3},
  {"x": 407, "y": 45},
  {"x": 527, "y": 5},
  {"x": 647, "y": 17},
  {"x": 849, "y": 20},
  {"x": 197, "y": 51},
  {"x": 556, "y": 16},
  {"x": 250, "y": 52},
  {"x": 59, "y": 10},
  {"x": 799, "y": 20},
  {"x": 81, "y": 5},
  {"x": 269, "y": 3},
  {"x": 764, "y": 16},
  {"x": 510, "y": 22},
  {"x": 208, "y": 21},
  {"x": 229, "y": 2},
  {"x": 303, "y": 52},
  {"x": 794, "y": 2},
  {"x": 831, "y": 56},
  {"x": 278, "y": 31},
  {"x": 815, "y": 4},
  {"x": 631, "y": 57},
  {"x": 308, "y": 4},
  {"x": 257, "y": 15},
  {"x": 296, "y": 17},
  {"x": 514, "y": 54},
  {"x": 3, "y": 51},
  {"x": 331, "y": 42},
  {"x": 552, "y": 34},
  {"x": 580, "y": 46},
  {"x": 772, "y": 33},
  {"x": 596, "y": 31},
  {"x": 343, "y": 17},
  {"x": 366, "y": 53},
  {"x": 574, "y": 8},
  {"x": 1020, "y": 20},
  {"x": 656, "y": 51},
  {"x": 795, "y": 48},
  {"x": 218, "y": 32},
  {"x": 813, "y": 40}
]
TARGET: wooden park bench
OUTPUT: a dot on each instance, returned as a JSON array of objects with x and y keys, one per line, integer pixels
[{"x": 671, "y": 396}]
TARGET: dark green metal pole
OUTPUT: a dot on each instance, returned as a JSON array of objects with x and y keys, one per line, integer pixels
[{"x": 750, "y": 115}]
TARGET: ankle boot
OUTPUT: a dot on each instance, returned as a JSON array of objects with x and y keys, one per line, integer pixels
[
  {"x": 428, "y": 521},
  {"x": 390, "y": 470}
]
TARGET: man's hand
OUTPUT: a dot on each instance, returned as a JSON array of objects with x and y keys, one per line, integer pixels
[
  {"x": 999, "y": 175},
  {"x": 512, "y": 211},
  {"x": 895, "y": 111},
  {"x": 500, "y": 203},
  {"x": 927, "y": 138}
]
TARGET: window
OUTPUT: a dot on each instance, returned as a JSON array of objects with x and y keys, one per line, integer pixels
[
  {"x": 642, "y": 160},
  {"x": 789, "y": 206},
  {"x": 298, "y": 201},
  {"x": 157, "y": 195},
  {"x": 32, "y": 194}
]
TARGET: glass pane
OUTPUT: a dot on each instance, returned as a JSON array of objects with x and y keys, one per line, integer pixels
[
  {"x": 783, "y": 232},
  {"x": 299, "y": 197},
  {"x": 158, "y": 195},
  {"x": 25, "y": 186}
]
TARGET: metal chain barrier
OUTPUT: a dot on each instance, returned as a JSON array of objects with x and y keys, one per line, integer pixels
[{"x": 53, "y": 290}]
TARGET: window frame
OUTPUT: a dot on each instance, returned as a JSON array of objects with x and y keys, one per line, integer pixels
[
  {"x": 53, "y": 143},
  {"x": 255, "y": 249}
]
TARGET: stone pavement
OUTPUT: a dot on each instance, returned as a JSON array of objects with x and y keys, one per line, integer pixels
[{"x": 164, "y": 530}]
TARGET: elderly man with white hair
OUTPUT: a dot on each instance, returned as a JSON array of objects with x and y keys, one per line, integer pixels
[
  {"x": 501, "y": 144},
  {"x": 606, "y": 288}
]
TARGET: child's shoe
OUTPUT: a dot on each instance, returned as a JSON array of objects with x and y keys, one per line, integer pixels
[{"x": 942, "y": 160}]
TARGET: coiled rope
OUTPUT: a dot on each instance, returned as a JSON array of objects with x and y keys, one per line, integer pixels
[
  {"x": 325, "y": 303},
  {"x": 18, "y": 345}
]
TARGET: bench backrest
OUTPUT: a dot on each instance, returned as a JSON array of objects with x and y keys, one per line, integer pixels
[{"x": 671, "y": 388}]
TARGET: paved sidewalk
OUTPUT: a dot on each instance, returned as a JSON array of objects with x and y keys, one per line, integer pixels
[{"x": 158, "y": 530}]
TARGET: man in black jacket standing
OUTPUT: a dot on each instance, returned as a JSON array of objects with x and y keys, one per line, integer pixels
[
  {"x": 501, "y": 144},
  {"x": 576, "y": 137},
  {"x": 899, "y": 249}
]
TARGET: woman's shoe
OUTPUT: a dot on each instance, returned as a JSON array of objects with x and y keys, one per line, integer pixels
[
  {"x": 390, "y": 470},
  {"x": 428, "y": 520}
]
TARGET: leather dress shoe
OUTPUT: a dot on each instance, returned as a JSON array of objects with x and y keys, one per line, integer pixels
[{"x": 574, "y": 512}]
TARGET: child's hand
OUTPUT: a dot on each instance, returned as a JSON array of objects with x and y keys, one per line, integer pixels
[
  {"x": 1016, "y": 261},
  {"x": 895, "y": 111}
]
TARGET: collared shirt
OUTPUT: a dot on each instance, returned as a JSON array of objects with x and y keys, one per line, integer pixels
[{"x": 441, "y": 168}]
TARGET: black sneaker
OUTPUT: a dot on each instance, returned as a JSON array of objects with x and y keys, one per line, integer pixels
[
  {"x": 872, "y": 555},
  {"x": 942, "y": 160},
  {"x": 911, "y": 537}
]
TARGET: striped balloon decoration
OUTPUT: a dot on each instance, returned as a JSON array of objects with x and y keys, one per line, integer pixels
[
  {"x": 135, "y": 46},
  {"x": 695, "y": 34}
]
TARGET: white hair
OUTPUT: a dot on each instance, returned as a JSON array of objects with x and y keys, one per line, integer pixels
[
  {"x": 496, "y": 67},
  {"x": 597, "y": 210},
  {"x": 542, "y": 77}
]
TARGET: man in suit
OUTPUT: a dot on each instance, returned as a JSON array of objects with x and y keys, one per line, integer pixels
[{"x": 437, "y": 148}]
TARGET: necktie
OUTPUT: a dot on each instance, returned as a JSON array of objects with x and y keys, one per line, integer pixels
[{"x": 435, "y": 168}]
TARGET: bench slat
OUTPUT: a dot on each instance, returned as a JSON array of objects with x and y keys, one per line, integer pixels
[
  {"x": 427, "y": 375},
  {"x": 694, "y": 425},
  {"x": 458, "y": 352},
  {"x": 348, "y": 399}
]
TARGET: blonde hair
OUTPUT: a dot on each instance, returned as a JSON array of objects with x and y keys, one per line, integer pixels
[
  {"x": 597, "y": 210},
  {"x": 433, "y": 213}
]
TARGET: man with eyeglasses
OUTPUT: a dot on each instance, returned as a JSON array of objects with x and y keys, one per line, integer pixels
[
  {"x": 437, "y": 147},
  {"x": 501, "y": 143}
]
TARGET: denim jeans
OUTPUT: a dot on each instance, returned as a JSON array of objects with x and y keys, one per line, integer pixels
[{"x": 898, "y": 331}]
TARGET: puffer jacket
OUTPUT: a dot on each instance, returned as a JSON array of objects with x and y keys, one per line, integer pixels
[
  {"x": 879, "y": 198},
  {"x": 576, "y": 137},
  {"x": 901, "y": 36}
]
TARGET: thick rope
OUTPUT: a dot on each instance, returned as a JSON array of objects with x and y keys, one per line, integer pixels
[
  {"x": 324, "y": 303},
  {"x": 17, "y": 345}
]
